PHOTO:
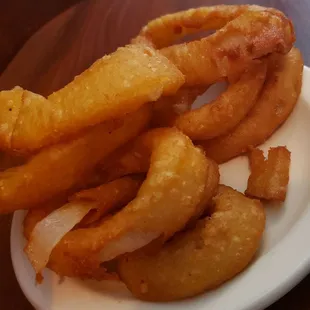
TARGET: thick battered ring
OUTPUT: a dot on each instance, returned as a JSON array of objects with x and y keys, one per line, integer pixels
[
  {"x": 168, "y": 29},
  {"x": 227, "y": 110},
  {"x": 112, "y": 87},
  {"x": 200, "y": 259}
]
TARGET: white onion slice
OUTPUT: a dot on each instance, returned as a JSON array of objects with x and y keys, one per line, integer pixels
[
  {"x": 49, "y": 231},
  {"x": 130, "y": 242}
]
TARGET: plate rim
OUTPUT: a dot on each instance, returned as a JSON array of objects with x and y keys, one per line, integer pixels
[{"x": 291, "y": 277}]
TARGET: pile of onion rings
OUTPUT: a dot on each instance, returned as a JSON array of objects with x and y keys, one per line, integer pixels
[{"x": 117, "y": 170}]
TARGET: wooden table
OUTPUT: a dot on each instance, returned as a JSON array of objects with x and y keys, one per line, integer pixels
[{"x": 67, "y": 45}]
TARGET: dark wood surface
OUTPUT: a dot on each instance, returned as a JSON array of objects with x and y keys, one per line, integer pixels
[{"x": 68, "y": 44}]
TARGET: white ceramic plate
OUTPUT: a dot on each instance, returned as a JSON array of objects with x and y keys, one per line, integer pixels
[{"x": 284, "y": 258}]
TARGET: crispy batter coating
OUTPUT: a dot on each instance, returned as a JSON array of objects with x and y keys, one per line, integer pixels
[
  {"x": 200, "y": 259},
  {"x": 60, "y": 167},
  {"x": 269, "y": 177},
  {"x": 278, "y": 99},
  {"x": 112, "y": 87},
  {"x": 227, "y": 110}
]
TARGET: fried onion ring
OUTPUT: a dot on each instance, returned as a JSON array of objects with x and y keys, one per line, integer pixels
[
  {"x": 167, "y": 29},
  {"x": 200, "y": 259},
  {"x": 228, "y": 51},
  {"x": 179, "y": 182},
  {"x": 276, "y": 102},
  {"x": 113, "y": 86},
  {"x": 60, "y": 167},
  {"x": 227, "y": 110}
]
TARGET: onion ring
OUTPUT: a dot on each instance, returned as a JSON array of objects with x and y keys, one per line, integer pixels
[
  {"x": 278, "y": 99},
  {"x": 179, "y": 182},
  {"x": 200, "y": 259},
  {"x": 226, "y": 111},
  {"x": 228, "y": 51},
  {"x": 167, "y": 29},
  {"x": 113, "y": 86},
  {"x": 60, "y": 167}
]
